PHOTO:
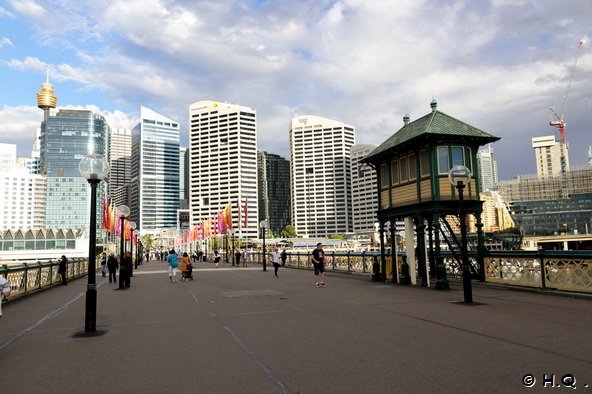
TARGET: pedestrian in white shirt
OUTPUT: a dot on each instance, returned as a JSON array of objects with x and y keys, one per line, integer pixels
[{"x": 275, "y": 258}]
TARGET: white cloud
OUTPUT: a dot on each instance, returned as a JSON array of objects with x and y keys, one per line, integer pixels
[
  {"x": 18, "y": 125},
  {"x": 498, "y": 65},
  {"x": 30, "y": 63},
  {"x": 5, "y": 41}
]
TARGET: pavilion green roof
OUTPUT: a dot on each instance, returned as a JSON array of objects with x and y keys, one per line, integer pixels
[{"x": 433, "y": 128}]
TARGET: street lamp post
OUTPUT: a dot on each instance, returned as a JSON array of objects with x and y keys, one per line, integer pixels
[
  {"x": 232, "y": 240},
  {"x": 124, "y": 212},
  {"x": 94, "y": 168},
  {"x": 263, "y": 225},
  {"x": 459, "y": 176}
]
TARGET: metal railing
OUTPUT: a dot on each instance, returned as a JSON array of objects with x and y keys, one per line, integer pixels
[{"x": 27, "y": 278}]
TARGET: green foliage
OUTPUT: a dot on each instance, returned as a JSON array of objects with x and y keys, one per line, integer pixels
[
  {"x": 147, "y": 240},
  {"x": 511, "y": 230},
  {"x": 337, "y": 236},
  {"x": 289, "y": 232}
]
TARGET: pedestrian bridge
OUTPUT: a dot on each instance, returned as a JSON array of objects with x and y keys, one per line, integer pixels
[{"x": 243, "y": 330}]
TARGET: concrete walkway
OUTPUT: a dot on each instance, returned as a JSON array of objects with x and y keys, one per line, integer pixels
[{"x": 241, "y": 330}]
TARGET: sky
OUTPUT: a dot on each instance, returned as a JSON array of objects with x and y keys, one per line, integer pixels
[{"x": 497, "y": 65}]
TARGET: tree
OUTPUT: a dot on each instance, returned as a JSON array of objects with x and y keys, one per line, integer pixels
[
  {"x": 289, "y": 232},
  {"x": 147, "y": 240},
  {"x": 337, "y": 236}
]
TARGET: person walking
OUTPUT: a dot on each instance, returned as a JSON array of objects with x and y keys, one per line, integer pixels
[
  {"x": 125, "y": 270},
  {"x": 112, "y": 266},
  {"x": 244, "y": 256},
  {"x": 318, "y": 262},
  {"x": 216, "y": 258},
  {"x": 63, "y": 270},
  {"x": 275, "y": 259},
  {"x": 237, "y": 257},
  {"x": 104, "y": 265},
  {"x": 185, "y": 263},
  {"x": 173, "y": 264},
  {"x": 284, "y": 257},
  {"x": 4, "y": 291}
]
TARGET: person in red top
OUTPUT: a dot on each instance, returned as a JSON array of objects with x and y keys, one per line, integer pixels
[{"x": 318, "y": 261}]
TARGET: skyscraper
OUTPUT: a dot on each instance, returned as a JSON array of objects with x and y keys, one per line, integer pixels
[
  {"x": 155, "y": 172},
  {"x": 223, "y": 162},
  {"x": 66, "y": 138},
  {"x": 548, "y": 155},
  {"x": 274, "y": 190},
  {"x": 320, "y": 174},
  {"x": 183, "y": 178},
  {"x": 22, "y": 193},
  {"x": 120, "y": 163},
  {"x": 487, "y": 166},
  {"x": 363, "y": 190}
]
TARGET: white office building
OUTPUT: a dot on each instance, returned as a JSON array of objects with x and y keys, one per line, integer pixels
[
  {"x": 155, "y": 173},
  {"x": 120, "y": 165},
  {"x": 487, "y": 166},
  {"x": 22, "y": 199},
  {"x": 548, "y": 154},
  {"x": 363, "y": 190},
  {"x": 223, "y": 163},
  {"x": 320, "y": 169}
]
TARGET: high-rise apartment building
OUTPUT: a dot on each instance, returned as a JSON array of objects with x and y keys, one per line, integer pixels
[
  {"x": 320, "y": 172},
  {"x": 66, "y": 138},
  {"x": 549, "y": 154},
  {"x": 223, "y": 163},
  {"x": 7, "y": 157},
  {"x": 184, "y": 178},
  {"x": 22, "y": 193},
  {"x": 120, "y": 166},
  {"x": 363, "y": 190},
  {"x": 487, "y": 167},
  {"x": 155, "y": 172},
  {"x": 274, "y": 190}
]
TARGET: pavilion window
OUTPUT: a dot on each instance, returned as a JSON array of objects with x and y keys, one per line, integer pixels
[
  {"x": 384, "y": 176},
  {"x": 443, "y": 164},
  {"x": 424, "y": 163},
  {"x": 412, "y": 167},
  {"x": 395, "y": 178}
]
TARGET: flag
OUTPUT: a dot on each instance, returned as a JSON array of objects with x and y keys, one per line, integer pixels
[
  {"x": 239, "y": 210},
  {"x": 106, "y": 212}
]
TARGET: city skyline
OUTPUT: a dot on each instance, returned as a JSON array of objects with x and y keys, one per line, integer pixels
[{"x": 499, "y": 65}]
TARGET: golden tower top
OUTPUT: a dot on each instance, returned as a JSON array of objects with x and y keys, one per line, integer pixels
[{"x": 46, "y": 99}]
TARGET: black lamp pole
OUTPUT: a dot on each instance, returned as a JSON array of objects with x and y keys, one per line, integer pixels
[
  {"x": 466, "y": 273},
  {"x": 121, "y": 252},
  {"x": 90, "y": 313}
]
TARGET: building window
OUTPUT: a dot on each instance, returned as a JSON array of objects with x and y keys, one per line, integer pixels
[
  {"x": 443, "y": 166},
  {"x": 424, "y": 163},
  {"x": 404, "y": 177},
  {"x": 458, "y": 156},
  {"x": 384, "y": 176},
  {"x": 412, "y": 163},
  {"x": 395, "y": 172}
]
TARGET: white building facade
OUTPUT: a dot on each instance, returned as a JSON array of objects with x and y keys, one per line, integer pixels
[
  {"x": 363, "y": 190},
  {"x": 155, "y": 172},
  {"x": 223, "y": 163},
  {"x": 548, "y": 154},
  {"x": 320, "y": 170},
  {"x": 120, "y": 165},
  {"x": 488, "y": 178}
]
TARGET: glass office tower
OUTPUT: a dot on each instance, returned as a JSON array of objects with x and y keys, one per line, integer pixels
[
  {"x": 69, "y": 136},
  {"x": 155, "y": 172}
]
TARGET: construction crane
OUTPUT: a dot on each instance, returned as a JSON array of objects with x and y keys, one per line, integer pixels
[{"x": 559, "y": 121}]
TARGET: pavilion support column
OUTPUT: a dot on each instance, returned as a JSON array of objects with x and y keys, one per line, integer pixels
[
  {"x": 432, "y": 261},
  {"x": 410, "y": 248},
  {"x": 441, "y": 278},
  {"x": 481, "y": 249},
  {"x": 422, "y": 262},
  {"x": 394, "y": 254},
  {"x": 382, "y": 252}
]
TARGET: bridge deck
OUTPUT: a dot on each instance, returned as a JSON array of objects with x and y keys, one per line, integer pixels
[{"x": 243, "y": 330}]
